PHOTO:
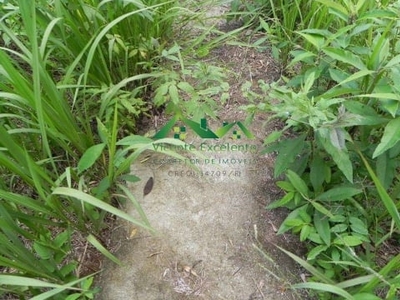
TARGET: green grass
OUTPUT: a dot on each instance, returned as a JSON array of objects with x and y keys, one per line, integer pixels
[{"x": 72, "y": 72}]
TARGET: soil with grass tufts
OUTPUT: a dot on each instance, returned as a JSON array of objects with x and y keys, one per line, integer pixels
[{"x": 214, "y": 238}]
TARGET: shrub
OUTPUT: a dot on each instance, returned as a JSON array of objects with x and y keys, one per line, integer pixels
[{"x": 340, "y": 160}]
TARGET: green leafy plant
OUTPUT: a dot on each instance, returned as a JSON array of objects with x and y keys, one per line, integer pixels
[
  {"x": 121, "y": 36},
  {"x": 337, "y": 156},
  {"x": 81, "y": 292},
  {"x": 74, "y": 77},
  {"x": 282, "y": 20},
  {"x": 195, "y": 90}
]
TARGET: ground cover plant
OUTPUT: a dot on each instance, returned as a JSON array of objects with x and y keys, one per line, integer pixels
[
  {"x": 337, "y": 157},
  {"x": 73, "y": 76}
]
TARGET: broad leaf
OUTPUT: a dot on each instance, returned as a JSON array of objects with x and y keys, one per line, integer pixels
[
  {"x": 186, "y": 87},
  {"x": 357, "y": 75},
  {"x": 345, "y": 57},
  {"x": 90, "y": 156},
  {"x": 288, "y": 150},
  {"x": 358, "y": 226},
  {"x": 309, "y": 81},
  {"x": 391, "y": 136},
  {"x": 341, "y": 77},
  {"x": 316, "y": 40},
  {"x": 338, "y": 219},
  {"x": 297, "y": 182},
  {"x": 322, "y": 209},
  {"x": 338, "y": 194},
  {"x": 286, "y": 186},
  {"x": 42, "y": 250},
  {"x": 304, "y": 215},
  {"x": 281, "y": 202},
  {"x": 317, "y": 169},
  {"x": 294, "y": 222},
  {"x": 291, "y": 216},
  {"x": 305, "y": 232},
  {"x": 300, "y": 56},
  {"x": 273, "y": 136},
  {"x": 337, "y": 137},
  {"x": 368, "y": 116},
  {"x": 321, "y": 223},
  {"x": 316, "y": 251},
  {"x": 340, "y": 156},
  {"x": 173, "y": 93},
  {"x": 129, "y": 178},
  {"x": 348, "y": 240},
  {"x": 339, "y": 228}
]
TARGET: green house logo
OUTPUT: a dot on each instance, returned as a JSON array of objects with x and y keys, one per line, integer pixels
[{"x": 202, "y": 130}]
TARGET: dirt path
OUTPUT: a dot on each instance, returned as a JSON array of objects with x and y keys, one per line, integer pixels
[
  {"x": 214, "y": 237},
  {"x": 208, "y": 224}
]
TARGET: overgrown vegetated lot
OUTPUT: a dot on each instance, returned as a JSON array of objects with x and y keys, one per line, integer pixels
[
  {"x": 337, "y": 157},
  {"x": 75, "y": 75}
]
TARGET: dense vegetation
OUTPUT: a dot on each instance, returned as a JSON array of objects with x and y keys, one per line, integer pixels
[
  {"x": 338, "y": 155},
  {"x": 76, "y": 75},
  {"x": 73, "y": 76}
]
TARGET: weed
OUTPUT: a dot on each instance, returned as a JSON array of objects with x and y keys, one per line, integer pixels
[
  {"x": 195, "y": 90},
  {"x": 340, "y": 168}
]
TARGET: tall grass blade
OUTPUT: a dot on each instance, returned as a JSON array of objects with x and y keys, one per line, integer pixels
[
  {"x": 386, "y": 199},
  {"x": 308, "y": 267},
  {"x": 392, "y": 265},
  {"x": 324, "y": 287},
  {"x": 25, "y": 281},
  {"x": 86, "y": 198},
  {"x": 28, "y": 13},
  {"x": 14, "y": 280},
  {"x": 91, "y": 239},
  {"x": 106, "y": 29},
  {"x": 135, "y": 203}
]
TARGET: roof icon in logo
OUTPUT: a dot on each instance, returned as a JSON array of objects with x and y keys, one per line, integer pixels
[{"x": 201, "y": 129}]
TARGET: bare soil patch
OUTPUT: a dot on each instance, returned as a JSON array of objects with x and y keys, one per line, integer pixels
[{"x": 214, "y": 238}]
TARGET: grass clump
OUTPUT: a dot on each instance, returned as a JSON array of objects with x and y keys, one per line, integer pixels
[{"x": 72, "y": 74}]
